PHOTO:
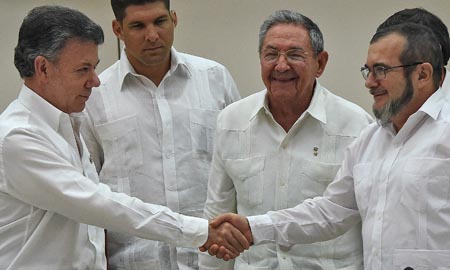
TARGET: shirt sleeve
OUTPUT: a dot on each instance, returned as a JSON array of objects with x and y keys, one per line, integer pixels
[
  {"x": 314, "y": 220},
  {"x": 36, "y": 173},
  {"x": 233, "y": 92}
]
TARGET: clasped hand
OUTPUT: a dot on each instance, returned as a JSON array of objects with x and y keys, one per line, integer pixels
[{"x": 229, "y": 235}]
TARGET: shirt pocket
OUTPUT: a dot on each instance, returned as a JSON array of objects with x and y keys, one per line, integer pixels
[
  {"x": 314, "y": 179},
  {"x": 421, "y": 259},
  {"x": 363, "y": 186},
  {"x": 121, "y": 146},
  {"x": 426, "y": 184},
  {"x": 248, "y": 178},
  {"x": 203, "y": 129}
]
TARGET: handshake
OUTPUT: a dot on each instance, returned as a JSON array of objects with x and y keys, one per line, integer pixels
[{"x": 229, "y": 235}]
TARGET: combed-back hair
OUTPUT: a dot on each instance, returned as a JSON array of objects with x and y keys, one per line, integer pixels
[
  {"x": 296, "y": 18},
  {"x": 45, "y": 31},
  {"x": 119, "y": 6},
  {"x": 426, "y": 18},
  {"x": 421, "y": 46}
]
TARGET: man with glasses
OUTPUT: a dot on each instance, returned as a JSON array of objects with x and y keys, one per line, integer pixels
[
  {"x": 283, "y": 145},
  {"x": 395, "y": 177},
  {"x": 428, "y": 19}
]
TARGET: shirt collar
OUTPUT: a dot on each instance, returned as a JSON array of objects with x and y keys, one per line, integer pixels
[
  {"x": 446, "y": 84},
  {"x": 316, "y": 108},
  {"x": 51, "y": 115},
  {"x": 434, "y": 104},
  {"x": 177, "y": 63},
  {"x": 432, "y": 107},
  {"x": 261, "y": 104}
]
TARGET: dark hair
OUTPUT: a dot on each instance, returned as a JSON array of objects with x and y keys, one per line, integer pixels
[
  {"x": 119, "y": 6},
  {"x": 421, "y": 46},
  {"x": 292, "y": 17},
  {"x": 45, "y": 31},
  {"x": 426, "y": 18}
]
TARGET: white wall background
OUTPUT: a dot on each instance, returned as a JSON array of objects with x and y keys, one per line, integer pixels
[{"x": 227, "y": 31}]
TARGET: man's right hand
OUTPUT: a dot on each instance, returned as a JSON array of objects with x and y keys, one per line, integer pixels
[{"x": 240, "y": 230}]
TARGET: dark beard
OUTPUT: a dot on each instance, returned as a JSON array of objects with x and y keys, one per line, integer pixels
[{"x": 390, "y": 109}]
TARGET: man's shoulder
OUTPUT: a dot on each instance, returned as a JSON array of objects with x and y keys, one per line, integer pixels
[
  {"x": 339, "y": 106},
  {"x": 109, "y": 80},
  {"x": 109, "y": 73},
  {"x": 16, "y": 118},
  {"x": 198, "y": 62},
  {"x": 239, "y": 113},
  {"x": 342, "y": 102},
  {"x": 343, "y": 116}
]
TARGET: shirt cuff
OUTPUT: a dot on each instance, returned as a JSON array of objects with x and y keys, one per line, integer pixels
[
  {"x": 262, "y": 229},
  {"x": 195, "y": 231}
]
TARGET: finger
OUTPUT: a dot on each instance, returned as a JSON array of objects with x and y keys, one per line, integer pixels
[
  {"x": 213, "y": 249},
  {"x": 221, "y": 253},
  {"x": 241, "y": 239},
  {"x": 220, "y": 219},
  {"x": 227, "y": 256},
  {"x": 233, "y": 241},
  {"x": 202, "y": 249}
]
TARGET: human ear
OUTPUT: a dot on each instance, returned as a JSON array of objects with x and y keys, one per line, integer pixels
[
  {"x": 425, "y": 71},
  {"x": 41, "y": 66},
  {"x": 117, "y": 29},
  {"x": 322, "y": 60}
]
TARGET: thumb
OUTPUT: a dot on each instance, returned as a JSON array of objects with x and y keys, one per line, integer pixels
[{"x": 220, "y": 219}]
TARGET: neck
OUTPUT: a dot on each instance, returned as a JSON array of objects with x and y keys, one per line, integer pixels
[
  {"x": 153, "y": 71},
  {"x": 155, "y": 75},
  {"x": 287, "y": 113},
  {"x": 402, "y": 116}
]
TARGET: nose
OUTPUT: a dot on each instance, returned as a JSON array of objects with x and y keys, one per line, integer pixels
[
  {"x": 151, "y": 33},
  {"x": 94, "y": 81},
  {"x": 371, "y": 82},
  {"x": 282, "y": 65}
]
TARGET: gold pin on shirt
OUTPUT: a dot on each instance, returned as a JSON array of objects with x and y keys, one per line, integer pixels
[{"x": 315, "y": 150}]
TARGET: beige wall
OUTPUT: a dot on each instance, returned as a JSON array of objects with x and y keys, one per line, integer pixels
[{"x": 227, "y": 31}]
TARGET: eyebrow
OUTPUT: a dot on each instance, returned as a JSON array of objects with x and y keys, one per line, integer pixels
[
  {"x": 271, "y": 47},
  {"x": 89, "y": 64},
  {"x": 376, "y": 65},
  {"x": 138, "y": 21}
]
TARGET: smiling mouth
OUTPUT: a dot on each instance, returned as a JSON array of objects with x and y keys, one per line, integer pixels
[
  {"x": 376, "y": 93},
  {"x": 283, "y": 79}
]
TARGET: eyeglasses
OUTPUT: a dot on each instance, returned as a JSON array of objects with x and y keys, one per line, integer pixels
[
  {"x": 379, "y": 72},
  {"x": 292, "y": 56}
]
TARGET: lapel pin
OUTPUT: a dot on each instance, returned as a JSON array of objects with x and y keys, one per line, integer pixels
[{"x": 315, "y": 150}]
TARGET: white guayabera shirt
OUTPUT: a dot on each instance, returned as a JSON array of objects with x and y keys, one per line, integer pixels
[
  {"x": 258, "y": 167},
  {"x": 156, "y": 143},
  {"x": 48, "y": 194},
  {"x": 398, "y": 184}
]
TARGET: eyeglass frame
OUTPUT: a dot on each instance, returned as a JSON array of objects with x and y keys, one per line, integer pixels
[
  {"x": 365, "y": 70},
  {"x": 286, "y": 55}
]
